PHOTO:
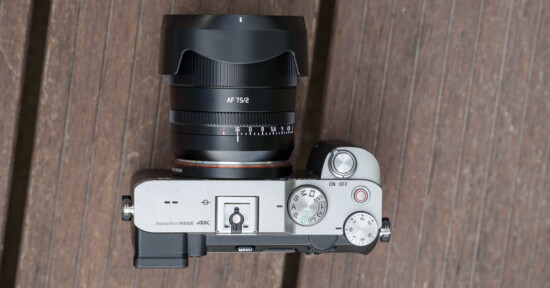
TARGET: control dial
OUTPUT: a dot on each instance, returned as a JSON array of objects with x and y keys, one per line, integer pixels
[
  {"x": 307, "y": 205},
  {"x": 361, "y": 228}
]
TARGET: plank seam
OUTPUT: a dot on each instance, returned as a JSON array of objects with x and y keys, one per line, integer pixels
[
  {"x": 520, "y": 142},
  {"x": 350, "y": 117},
  {"x": 379, "y": 115},
  {"x": 165, "y": 280},
  {"x": 254, "y": 269},
  {"x": 383, "y": 88},
  {"x": 196, "y": 272},
  {"x": 123, "y": 152},
  {"x": 63, "y": 145},
  {"x": 434, "y": 137},
  {"x": 35, "y": 24},
  {"x": 539, "y": 209},
  {"x": 92, "y": 157},
  {"x": 357, "y": 67},
  {"x": 461, "y": 145},
  {"x": 198, "y": 262},
  {"x": 136, "y": 276},
  {"x": 490, "y": 152},
  {"x": 226, "y": 260},
  {"x": 157, "y": 116},
  {"x": 2, "y": 6},
  {"x": 405, "y": 136},
  {"x": 260, "y": 7}
]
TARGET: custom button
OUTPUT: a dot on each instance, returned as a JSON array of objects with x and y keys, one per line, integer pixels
[{"x": 360, "y": 195}]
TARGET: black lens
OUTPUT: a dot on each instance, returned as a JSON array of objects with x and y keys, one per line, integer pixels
[{"x": 232, "y": 87}]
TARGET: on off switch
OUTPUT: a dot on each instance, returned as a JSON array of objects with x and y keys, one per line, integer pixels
[
  {"x": 360, "y": 195},
  {"x": 342, "y": 164}
]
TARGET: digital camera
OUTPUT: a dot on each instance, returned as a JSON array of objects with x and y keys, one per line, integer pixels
[{"x": 232, "y": 188}]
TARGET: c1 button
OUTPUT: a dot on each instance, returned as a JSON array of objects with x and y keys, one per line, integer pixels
[{"x": 360, "y": 195}]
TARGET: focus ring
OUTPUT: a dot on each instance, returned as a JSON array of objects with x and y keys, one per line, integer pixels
[{"x": 228, "y": 119}]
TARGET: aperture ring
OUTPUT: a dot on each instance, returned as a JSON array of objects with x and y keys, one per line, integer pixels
[{"x": 228, "y": 119}]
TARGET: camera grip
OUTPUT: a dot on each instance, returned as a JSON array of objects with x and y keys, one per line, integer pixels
[{"x": 160, "y": 250}]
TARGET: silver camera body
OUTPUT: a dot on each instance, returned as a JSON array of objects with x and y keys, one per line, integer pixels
[{"x": 336, "y": 208}]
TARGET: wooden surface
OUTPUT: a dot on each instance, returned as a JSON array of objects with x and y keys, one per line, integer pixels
[
  {"x": 14, "y": 32},
  {"x": 103, "y": 114},
  {"x": 451, "y": 96}
]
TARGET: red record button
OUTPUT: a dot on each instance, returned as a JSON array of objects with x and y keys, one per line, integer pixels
[{"x": 360, "y": 195}]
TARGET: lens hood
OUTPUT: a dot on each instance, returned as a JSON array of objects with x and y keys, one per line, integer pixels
[{"x": 238, "y": 39}]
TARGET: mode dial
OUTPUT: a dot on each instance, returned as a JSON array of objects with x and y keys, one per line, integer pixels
[
  {"x": 307, "y": 205},
  {"x": 361, "y": 228}
]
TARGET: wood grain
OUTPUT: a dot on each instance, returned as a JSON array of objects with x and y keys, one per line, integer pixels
[
  {"x": 339, "y": 95},
  {"x": 507, "y": 142},
  {"x": 50, "y": 134},
  {"x": 102, "y": 116},
  {"x": 14, "y": 33},
  {"x": 451, "y": 97},
  {"x": 447, "y": 148},
  {"x": 444, "y": 119},
  {"x": 539, "y": 214},
  {"x": 524, "y": 211},
  {"x": 477, "y": 145},
  {"x": 430, "y": 64}
]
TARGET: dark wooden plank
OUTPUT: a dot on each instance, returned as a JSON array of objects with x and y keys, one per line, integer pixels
[
  {"x": 315, "y": 270},
  {"x": 138, "y": 142},
  {"x": 538, "y": 269},
  {"x": 115, "y": 63},
  {"x": 116, "y": 72},
  {"x": 47, "y": 157},
  {"x": 392, "y": 57},
  {"x": 70, "y": 197},
  {"x": 532, "y": 158},
  {"x": 245, "y": 6},
  {"x": 448, "y": 142},
  {"x": 364, "y": 121},
  {"x": 429, "y": 67},
  {"x": 151, "y": 18},
  {"x": 469, "y": 110},
  {"x": 14, "y": 31},
  {"x": 477, "y": 143},
  {"x": 500, "y": 183},
  {"x": 523, "y": 210}
]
